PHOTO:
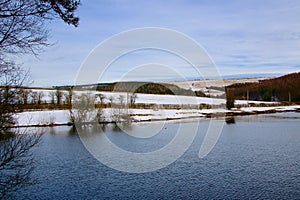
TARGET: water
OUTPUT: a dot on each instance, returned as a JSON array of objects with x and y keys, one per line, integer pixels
[{"x": 257, "y": 157}]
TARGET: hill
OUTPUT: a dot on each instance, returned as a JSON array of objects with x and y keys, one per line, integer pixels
[
  {"x": 284, "y": 88},
  {"x": 148, "y": 88},
  {"x": 138, "y": 87}
]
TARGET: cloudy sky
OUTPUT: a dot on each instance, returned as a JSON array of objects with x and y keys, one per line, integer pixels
[{"x": 240, "y": 36}]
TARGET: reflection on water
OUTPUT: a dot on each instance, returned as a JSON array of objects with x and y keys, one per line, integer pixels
[
  {"x": 257, "y": 157},
  {"x": 230, "y": 120}
]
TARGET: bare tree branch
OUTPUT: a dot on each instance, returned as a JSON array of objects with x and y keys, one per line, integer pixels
[
  {"x": 23, "y": 30},
  {"x": 23, "y": 27}
]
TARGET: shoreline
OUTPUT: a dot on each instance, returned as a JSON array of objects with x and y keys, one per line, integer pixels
[{"x": 60, "y": 117}]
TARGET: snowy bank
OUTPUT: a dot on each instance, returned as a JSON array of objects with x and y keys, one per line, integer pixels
[{"x": 62, "y": 117}]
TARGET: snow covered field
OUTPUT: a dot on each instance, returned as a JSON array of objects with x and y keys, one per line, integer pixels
[
  {"x": 205, "y": 85},
  {"x": 148, "y": 98},
  {"x": 53, "y": 117},
  {"x": 174, "y": 99},
  {"x": 63, "y": 116},
  {"x": 43, "y": 117},
  {"x": 157, "y": 102}
]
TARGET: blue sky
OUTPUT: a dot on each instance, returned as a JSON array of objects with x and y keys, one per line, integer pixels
[{"x": 241, "y": 36}]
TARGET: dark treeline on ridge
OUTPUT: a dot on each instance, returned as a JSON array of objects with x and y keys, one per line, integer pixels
[
  {"x": 139, "y": 87},
  {"x": 284, "y": 88},
  {"x": 147, "y": 88}
]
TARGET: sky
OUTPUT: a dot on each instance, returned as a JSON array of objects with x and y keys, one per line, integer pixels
[{"x": 240, "y": 37}]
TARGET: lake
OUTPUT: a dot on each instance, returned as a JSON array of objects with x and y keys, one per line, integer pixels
[{"x": 255, "y": 157}]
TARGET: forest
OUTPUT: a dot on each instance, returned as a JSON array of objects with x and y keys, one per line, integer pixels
[{"x": 285, "y": 89}]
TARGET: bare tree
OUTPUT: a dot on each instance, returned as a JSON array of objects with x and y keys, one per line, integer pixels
[
  {"x": 111, "y": 100},
  {"x": 23, "y": 23},
  {"x": 120, "y": 115},
  {"x": 10, "y": 75},
  {"x": 121, "y": 100},
  {"x": 84, "y": 112},
  {"x": 52, "y": 97},
  {"x": 101, "y": 98},
  {"x": 24, "y": 94},
  {"x": 69, "y": 96},
  {"x": 34, "y": 97},
  {"x": 40, "y": 96},
  {"x": 119, "y": 112},
  {"x": 58, "y": 95},
  {"x": 23, "y": 30},
  {"x": 100, "y": 116},
  {"x": 15, "y": 160},
  {"x": 132, "y": 98}
]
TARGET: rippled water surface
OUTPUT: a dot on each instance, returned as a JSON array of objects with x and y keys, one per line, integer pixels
[{"x": 256, "y": 157}]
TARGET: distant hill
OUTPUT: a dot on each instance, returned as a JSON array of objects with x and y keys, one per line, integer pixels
[
  {"x": 283, "y": 88},
  {"x": 148, "y": 88},
  {"x": 138, "y": 87},
  {"x": 249, "y": 76}
]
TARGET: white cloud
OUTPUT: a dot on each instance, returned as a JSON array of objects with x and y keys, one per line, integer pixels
[{"x": 240, "y": 36}]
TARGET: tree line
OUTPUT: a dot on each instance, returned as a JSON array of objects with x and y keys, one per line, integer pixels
[
  {"x": 148, "y": 88},
  {"x": 284, "y": 89}
]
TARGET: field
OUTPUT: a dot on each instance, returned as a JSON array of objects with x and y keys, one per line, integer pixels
[{"x": 53, "y": 106}]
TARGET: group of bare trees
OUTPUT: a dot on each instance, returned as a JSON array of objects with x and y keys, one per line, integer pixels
[
  {"x": 119, "y": 112},
  {"x": 122, "y": 100},
  {"x": 23, "y": 30},
  {"x": 84, "y": 111},
  {"x": 28, "y": 96}
]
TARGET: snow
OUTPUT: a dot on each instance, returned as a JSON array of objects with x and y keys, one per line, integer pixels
[
  {"x": 245, "y": 102},
  {"x": 175, "y": 100},
  {"x": 48, "y": 117},
  {"x": 179, "y": 100},
  {"x": 150, "y": 98},
  {"x": 276, "y": 108},
  {"x": 62, "y": 116},
  {"x": 43, "y": 117}
]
